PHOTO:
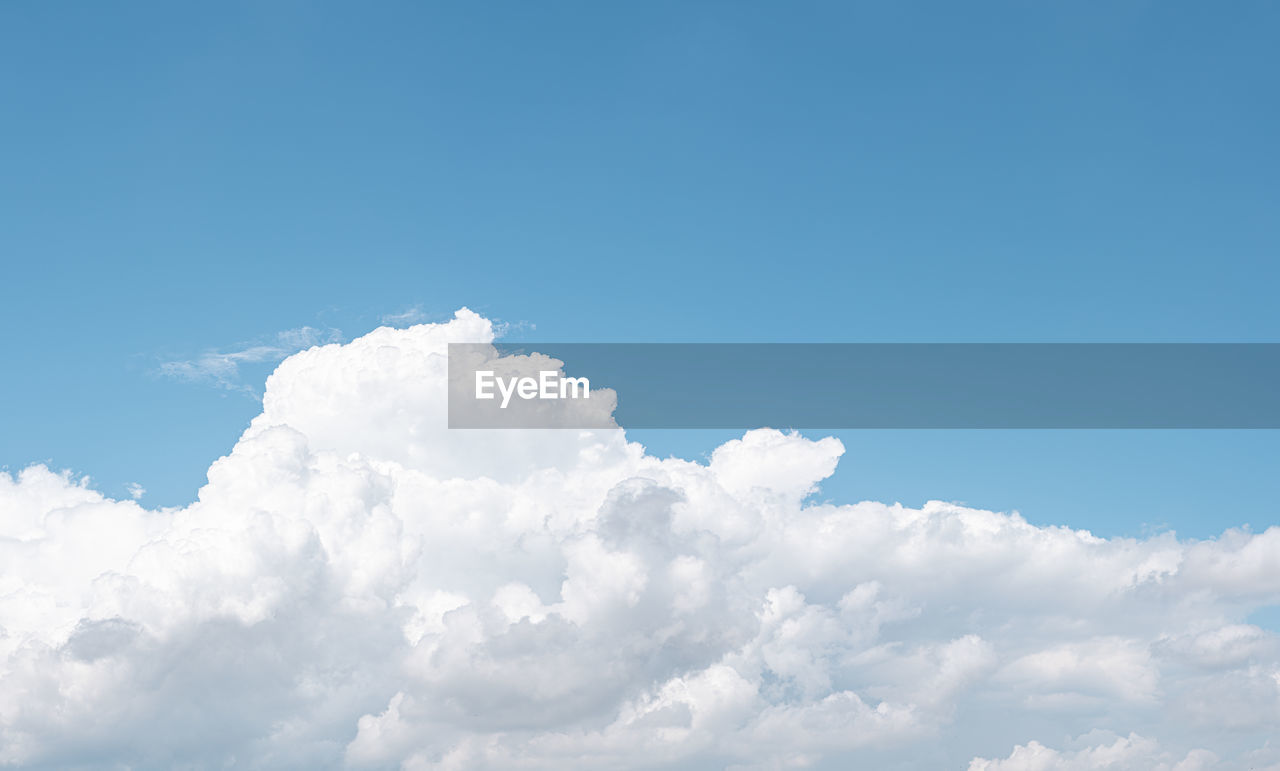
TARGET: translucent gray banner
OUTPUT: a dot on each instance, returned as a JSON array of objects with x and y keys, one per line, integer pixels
[{"x": 860, "y": 385}]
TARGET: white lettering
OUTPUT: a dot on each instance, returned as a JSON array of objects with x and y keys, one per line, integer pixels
[
  {"x": 570, "y": 386},
  {"x": 546, "y": 388},
  {"x": 547, "y": 385},
  {"x": 484, "y": 377},
  {"x": 507, "y": 388}
]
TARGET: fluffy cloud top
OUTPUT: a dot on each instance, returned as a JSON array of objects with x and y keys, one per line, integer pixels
[{"x": 358, "y": 586}]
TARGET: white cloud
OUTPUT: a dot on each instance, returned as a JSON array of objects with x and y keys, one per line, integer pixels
[
  {"x": 1131, "y": 752},
  {"x": 357, "y": 586},
  {"x": 222, "y": 368},
  {"x": 408, "y": 317},
  {"x": 503, "y": 329}
]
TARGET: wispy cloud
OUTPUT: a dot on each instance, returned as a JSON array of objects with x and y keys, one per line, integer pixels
[
  {"x": 222, "y": 368},
  {"x": 512, "y": 328},
  {"x": 414, "y": 315}
]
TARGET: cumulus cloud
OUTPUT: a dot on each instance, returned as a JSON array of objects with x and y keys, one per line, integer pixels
[
  {"x": 418, "y": 315},
  {"x": 357, "y": 586}
]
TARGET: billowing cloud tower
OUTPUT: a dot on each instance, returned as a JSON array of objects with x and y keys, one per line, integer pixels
[{"x": 358, "y": 586}]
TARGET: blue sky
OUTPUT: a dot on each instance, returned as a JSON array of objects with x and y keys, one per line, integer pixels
[{"x": 180, "y": 180}]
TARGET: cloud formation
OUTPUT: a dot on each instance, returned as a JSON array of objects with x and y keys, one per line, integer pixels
[
  {"x": 223, "y": 368},
  {"x": 358, "y": 587}
]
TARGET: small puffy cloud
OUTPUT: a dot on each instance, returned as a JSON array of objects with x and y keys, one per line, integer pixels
[
  {"x": 357, "y": 586},
  {"x": 770, "y": 461},
  {"x": 1131, "y": 752}
]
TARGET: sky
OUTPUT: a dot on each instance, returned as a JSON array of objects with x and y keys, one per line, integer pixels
[
  {"x": 179, "y": 181},
  {"x": 192, "y": 197}
]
